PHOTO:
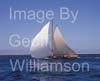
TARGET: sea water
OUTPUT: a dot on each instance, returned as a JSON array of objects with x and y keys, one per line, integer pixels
[{"x": 7, "y": 74}]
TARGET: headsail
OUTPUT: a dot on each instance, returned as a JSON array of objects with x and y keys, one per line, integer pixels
[
  {"x": 40, "y": 44},
  {"x": 60, "y": 46}
]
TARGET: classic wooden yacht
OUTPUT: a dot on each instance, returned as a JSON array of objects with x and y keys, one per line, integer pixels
[{"x": 51, "y": 45}]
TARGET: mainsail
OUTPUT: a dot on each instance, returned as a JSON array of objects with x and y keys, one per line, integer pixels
[
  {"x": 60, "y": 46},
  {"x": 40, "y": 44}
]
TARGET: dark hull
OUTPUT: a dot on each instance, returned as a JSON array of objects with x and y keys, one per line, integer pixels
[{"x": 67, "y": 56}]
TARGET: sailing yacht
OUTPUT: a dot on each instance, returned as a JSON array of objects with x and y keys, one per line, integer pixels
[{"x": 50, "y": 45}]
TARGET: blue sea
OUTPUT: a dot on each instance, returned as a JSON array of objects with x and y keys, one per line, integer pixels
[{"x": 6, "y": 73}]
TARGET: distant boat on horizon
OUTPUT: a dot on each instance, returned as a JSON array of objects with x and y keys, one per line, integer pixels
[{"x": 45, "y": 45}]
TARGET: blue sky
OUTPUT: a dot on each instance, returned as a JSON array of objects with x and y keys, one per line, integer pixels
[{"x": 83, "y": 36}]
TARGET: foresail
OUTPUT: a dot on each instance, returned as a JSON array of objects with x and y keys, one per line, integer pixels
[
  {"x": 40, "y": 43},
  {"x": 60, "y": 46}
]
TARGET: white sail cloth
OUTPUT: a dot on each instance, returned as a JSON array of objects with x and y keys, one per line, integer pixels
[
  {"x": 60, "y": 46},
  {"x": 40, "y": 44}
]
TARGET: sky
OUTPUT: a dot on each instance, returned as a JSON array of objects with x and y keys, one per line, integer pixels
[{"x": 83, "y": 36}]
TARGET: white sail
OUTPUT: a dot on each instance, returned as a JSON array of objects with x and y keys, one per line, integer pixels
[
  {"x": 60, "y": 46},
  {"x": 40, "y": 44}
]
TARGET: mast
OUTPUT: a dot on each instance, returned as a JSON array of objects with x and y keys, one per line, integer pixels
[{"x": 52, "y": 31}]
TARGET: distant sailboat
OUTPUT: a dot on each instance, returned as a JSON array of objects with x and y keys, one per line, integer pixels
[{"x": 40, "y": 47}]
